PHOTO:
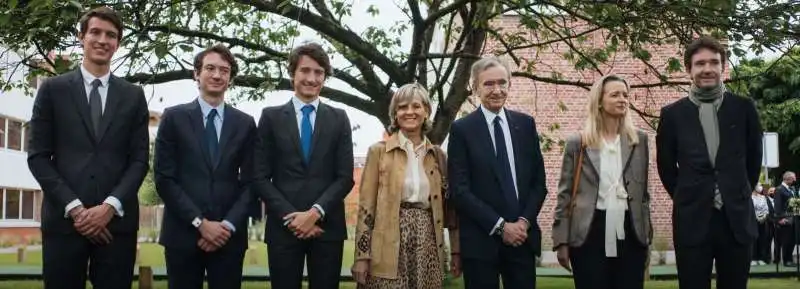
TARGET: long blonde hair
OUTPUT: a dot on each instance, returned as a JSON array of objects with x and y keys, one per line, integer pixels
[{"x": 594, "y": 124}]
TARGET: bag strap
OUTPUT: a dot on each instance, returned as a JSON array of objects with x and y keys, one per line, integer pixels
[{"x": 576, "y": 179}]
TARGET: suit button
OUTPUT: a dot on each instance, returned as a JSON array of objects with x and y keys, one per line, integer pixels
[
  {"x": 91, "y": 177},
  {"x": 435, "y": 197}
]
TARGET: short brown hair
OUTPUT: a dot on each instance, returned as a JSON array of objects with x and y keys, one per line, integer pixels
[
  {"x": 103, "y": 13},
  {"x": 223, "y": 52},
  {"x": 313, "y": 50},
  {"x": 706, "y": 42}
]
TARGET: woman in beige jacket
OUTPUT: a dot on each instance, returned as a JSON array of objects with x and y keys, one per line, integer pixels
[
  {"x": 602, "y": 225},
  {"x": 402, "y": 200}
]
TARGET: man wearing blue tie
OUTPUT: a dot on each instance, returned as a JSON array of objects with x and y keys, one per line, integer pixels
[
  {"x": 304, "y": 170},
  {"x": 497, "y": 181},
  {"x": 203, "y": 171}
]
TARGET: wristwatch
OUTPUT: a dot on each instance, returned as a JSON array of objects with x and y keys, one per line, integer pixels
[
  {"x": 196, "y": 222},
  {"x": 500, "y": 228}
]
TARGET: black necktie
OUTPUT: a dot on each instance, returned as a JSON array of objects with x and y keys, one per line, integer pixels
[
  {"x": 95, "y": 105},
  {"x": 211, "y": 136},
  {"x": 504, "y": 167}
]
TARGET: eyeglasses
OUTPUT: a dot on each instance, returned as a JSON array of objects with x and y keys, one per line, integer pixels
[{"x": 492, "y": 84}]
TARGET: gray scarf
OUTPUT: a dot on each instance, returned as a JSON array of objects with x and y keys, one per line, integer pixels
[{"x": 709, "y": 101}]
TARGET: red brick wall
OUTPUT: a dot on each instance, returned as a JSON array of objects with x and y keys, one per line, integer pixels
[{"x": 543, "y": 101}]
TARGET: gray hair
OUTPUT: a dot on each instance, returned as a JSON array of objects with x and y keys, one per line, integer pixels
[
  {"x": 405, "y": 93},
  {"x": 482, "y": 65},
  {"x": 787, "y": 175}
]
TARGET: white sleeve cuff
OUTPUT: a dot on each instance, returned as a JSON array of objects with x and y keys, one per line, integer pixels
[
  {"x": 319, "y": 208},
  {"x": 229, "y": 225},
  {"x": 114, "y": 202},
  {"x": 496, "y": 226},
  {"x": 74, "y": 204}
]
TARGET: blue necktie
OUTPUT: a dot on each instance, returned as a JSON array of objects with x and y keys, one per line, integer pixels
[
  {"x": 211, "y": 136},
  {"x": 504, "y": 168},
  {"x": 306, "y": 131}
]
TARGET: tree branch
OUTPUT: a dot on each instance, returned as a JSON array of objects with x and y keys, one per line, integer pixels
[{"x": 433, "y": 17}]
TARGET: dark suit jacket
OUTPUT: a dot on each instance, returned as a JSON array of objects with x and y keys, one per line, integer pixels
[
  {"x": 475, "y": 181},
  {"x": 689, "y": 177},
  {"x": 286, "y": 184},
  {"x": 69, "y": 161},
  {"x": 192, "y": 185},
  {"x": 782, "y": 196}
]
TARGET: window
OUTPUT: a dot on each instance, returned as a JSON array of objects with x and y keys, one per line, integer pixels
[
  {"x": 25, "y": 136},
  {"x": 27, "y": 205},
  {"x": 12, "y": 204},
  {"x": 14, "y": 135},
  {"x": 2, "y": 132}
]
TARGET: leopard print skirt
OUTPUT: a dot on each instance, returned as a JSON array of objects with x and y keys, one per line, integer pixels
[{"x": 418, "y": 260}]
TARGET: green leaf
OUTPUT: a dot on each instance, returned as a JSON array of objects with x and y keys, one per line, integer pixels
[
  {"x": 186, "y": 47},
  {"x": 674, "y": 65},
  {"x": 161, "y": 49}
]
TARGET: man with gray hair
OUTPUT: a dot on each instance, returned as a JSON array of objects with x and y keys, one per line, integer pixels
[
  {"x": 498, "y": 185},
  {"x": 786, "y": 234}
]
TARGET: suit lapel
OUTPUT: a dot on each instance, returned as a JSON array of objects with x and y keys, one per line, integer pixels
[
  {"x": 482, "y": 128},
  {"x": 724, "y": 123},
  {"x": 626, "y": 151},
  {"x": 81, "y": 102},
  {"x": 594, "y": 160},
  {"x": 113, "y": 98},
  {"x": 290, "y": 119},
  {"x": 321, "y": 124},
  {"x": 196, "y": 119},
  {"x": 228, "y": 127},
  {"x": 516, "y": 135}
]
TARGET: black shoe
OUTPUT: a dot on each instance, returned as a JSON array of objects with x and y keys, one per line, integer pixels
[{"x": 789, "y": 264}]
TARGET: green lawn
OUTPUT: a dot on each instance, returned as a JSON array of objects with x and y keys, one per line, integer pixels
[
  {"x": 151, "y": 254},
  {"x": 542, "y": 283}
]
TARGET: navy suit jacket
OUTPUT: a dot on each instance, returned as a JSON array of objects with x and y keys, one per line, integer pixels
[
  {"x": 192, "y": 185},
  {"x": 475, "y": 182}
]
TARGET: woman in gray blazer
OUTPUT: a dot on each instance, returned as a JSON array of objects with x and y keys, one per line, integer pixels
[{"x": 602, "y": 220}]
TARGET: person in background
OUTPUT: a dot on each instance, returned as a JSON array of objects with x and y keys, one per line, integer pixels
[
  {"x": 786, "y": 233},
  {"x": 763, "y": 210},
  {"x": 402, "y": 198},
  {"x": 602, "y": 227}
]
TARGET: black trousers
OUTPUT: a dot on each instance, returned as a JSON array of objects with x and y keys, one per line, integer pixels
[
  {"x": 286, "y": 260},
  {"x": 788, "y": 241},
  {"x": 187, "y": 268},
  {"x": 732, "y": 258},
  {"x": 762, "y": 248},
  {"x": 593, "y": 270},
  {"x": 516, "y": 266},
  {"x": 66, "y": 258}
]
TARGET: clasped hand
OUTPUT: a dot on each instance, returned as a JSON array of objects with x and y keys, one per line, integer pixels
[
  {"x": 515, "y": 234},
  {"x": 303, "y": 224},
  {"x": 92, "y": 222},
  {"x": 213, "y": 235}
]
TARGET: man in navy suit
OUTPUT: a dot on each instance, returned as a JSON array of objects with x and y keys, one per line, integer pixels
[
  {"x": 498, "y": 183},
  {"x": 203, "y": 171}
]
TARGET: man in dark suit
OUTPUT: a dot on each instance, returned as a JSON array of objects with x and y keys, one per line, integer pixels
[
  {"x": 203, "y": 171},
  {"x": 709, "y": 160},
  {"x": 786, "y": 233},
  {"x": 304, "y": 170},
  {"x": 88, "y": 149},
  {"x": 498, "y": 184}
]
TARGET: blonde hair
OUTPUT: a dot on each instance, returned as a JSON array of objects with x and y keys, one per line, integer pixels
[
  {"x": 407, "y": 93},
  {"x": 593, "y": 126}
]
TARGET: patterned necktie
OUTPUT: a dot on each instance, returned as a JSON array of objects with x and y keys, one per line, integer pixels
[
  {"x": 504, "y": 167},
  {"x": 306, "y": 131},
  {"x": 95, "y": 105},
  {"x": 211, "y": 136}
]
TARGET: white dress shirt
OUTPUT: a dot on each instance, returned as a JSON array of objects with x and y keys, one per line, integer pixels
[
  {"x": 88, "y": 78},
  {"x": 612, "y": 196},
  {"x": 298, "y": 110},
  {"x": 490, "y": 116},
  {"x": 760, "y": 206},
  {"x": 416, "y": 187}
]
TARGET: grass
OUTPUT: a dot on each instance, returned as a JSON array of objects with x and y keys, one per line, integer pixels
[
  {"x": 542, "y": 283},
  {"x": 151, "y": 254}
]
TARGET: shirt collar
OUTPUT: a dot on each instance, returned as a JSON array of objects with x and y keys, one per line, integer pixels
[
  {"x": 298, "y": 104},
  {"x": 88, "y": 78},
  {"x": 490, "y": 115},
  {"x": 612, "y": 145},
  {"x": 205, "y": 107},
  {"x": 405, "y": 142}
]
